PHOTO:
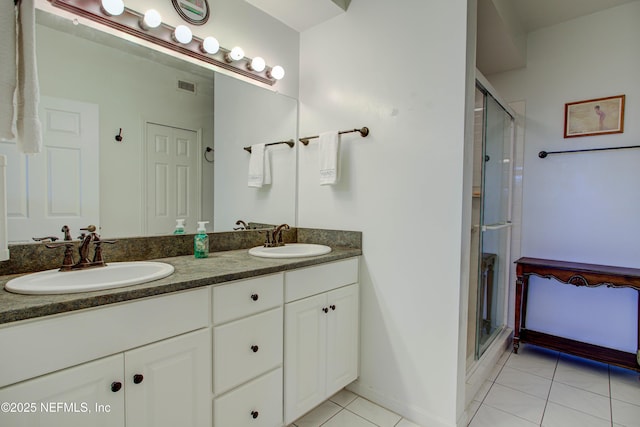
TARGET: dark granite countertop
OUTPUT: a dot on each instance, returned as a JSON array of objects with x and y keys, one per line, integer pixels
[{"x": 189, "y": 273}]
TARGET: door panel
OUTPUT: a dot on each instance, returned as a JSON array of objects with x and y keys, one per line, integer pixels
[
  {"x": 173, "y": 178},
  {"x": 60, "y": 185}
]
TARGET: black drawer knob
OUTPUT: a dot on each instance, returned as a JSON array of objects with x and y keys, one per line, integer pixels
[
  {"x": 137, "y": 378},
  {"x": 254, "y": 414},
  {"x": 116, "y": 386},
  {"x": 254, "y": 348},
  {"x": 333, "y": 307},
  {"x": 325, "y": 309},
  {"x": 254, "y": 297}
]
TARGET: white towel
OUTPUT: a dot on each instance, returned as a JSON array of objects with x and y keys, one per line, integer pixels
[
  {"x": 28, "y": 128},
  {"x": 256, "y": 166},
  {"x": 7, "y": 67},
  {"x": 328, "y": 148},
  {"x": 267, "y": 167}
]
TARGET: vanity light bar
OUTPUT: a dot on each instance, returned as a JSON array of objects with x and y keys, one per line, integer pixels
[{"x": 164, "y": 35}]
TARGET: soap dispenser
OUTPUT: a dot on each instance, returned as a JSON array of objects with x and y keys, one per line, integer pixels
[
  {"x": 179, "y": 226},
  {"x": 201, "y": 241}
]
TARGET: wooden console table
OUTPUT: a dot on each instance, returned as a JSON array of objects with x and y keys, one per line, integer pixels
[{"x": 577, "y": 274}]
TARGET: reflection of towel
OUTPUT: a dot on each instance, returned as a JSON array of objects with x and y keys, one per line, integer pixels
[
  {"x": 328, "y": 147},
  {"x": 29, "y": 132},
  {"x": 267, "y": 167},
  {"x": 7, "y": 67},
  {"x": 256, "y": 166}
]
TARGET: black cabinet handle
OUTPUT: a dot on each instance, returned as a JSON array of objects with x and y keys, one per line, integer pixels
[
  {"x": 325, "y": 309},
  {"x": 137, "y": 378},
  {"x": 254, "y": 297},
  {"x": 333, "y": 307},
  {"x": 254, "y": 348},
  {"x": 254, "y": 414},
  {"x": 116, "y": 386}
]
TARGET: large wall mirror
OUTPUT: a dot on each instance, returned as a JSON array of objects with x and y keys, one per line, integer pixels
[{"x": 95, "y": 86}]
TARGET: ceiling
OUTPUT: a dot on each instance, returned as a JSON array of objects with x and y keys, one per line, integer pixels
[{"x": 504, "y": 24}]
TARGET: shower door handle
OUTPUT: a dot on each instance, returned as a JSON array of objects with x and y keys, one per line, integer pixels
[{"x": 496, "y": 226}]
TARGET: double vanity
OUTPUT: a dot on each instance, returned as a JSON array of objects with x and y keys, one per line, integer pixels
[{"x": 230, "y": 340}]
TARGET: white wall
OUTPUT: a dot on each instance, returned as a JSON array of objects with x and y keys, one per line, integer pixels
[
  {"x": 247, "y": 115},
  {"x": 400, "y": 70},
  {"x": 581, "y": 207}
]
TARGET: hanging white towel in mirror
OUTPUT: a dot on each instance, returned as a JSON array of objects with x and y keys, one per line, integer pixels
[
  {"x": 328, "y": 149},
  {"x": 27, "y": 96},
  {"x": 7, "y": 68},
  {"x": 257, "y": 166},
  {"x": 267, "y": 167}
]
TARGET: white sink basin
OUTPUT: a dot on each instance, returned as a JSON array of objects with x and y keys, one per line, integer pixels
[
  {"x": 290, "y": 250},
  {"x": 114, "y": 275}
]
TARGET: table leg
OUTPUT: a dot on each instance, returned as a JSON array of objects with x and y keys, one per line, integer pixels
[{"x": 516, "y": 326}]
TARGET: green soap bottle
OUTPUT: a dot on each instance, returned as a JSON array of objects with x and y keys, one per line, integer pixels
[
  {"x": 179, "y": 226},
  {"x": 201, "y": 241}
]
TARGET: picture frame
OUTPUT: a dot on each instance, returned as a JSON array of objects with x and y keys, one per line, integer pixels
[{"x": 599, "y": 116}]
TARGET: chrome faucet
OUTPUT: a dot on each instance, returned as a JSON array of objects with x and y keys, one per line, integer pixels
[{"x": 274, "y": 238}]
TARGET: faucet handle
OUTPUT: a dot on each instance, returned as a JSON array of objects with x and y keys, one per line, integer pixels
[{"x": 45, "y": 239}]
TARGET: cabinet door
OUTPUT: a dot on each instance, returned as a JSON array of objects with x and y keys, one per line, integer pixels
[
  {"x": 342, "y": 338},
  {"x": 169, "y": 383},
  {"x": 304, "y": 355},
  {"x": 75, "y": 397}
]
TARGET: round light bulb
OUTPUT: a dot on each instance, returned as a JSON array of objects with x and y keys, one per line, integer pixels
[
  {"x": 257, "y": 64},
  {"x": 182, "y": 34},
  {"x": 236, "y": 54},
  {"x": 112, "y": 7},
  {"x": 276, "y": 72},
  {"x": 210, "y": 45},
  {"x": 152, "y": 19}
]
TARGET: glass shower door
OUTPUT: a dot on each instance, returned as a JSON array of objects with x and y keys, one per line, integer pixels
[{"x": 495, "y": 223}]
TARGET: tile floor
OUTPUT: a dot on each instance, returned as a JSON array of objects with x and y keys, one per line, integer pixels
[
  {"x": 536, "y": 387},
  {"x": 539, "y": 387},
  {"x": 346, "y": 409}
]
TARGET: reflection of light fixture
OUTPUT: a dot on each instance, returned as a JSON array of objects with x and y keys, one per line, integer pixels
[
  {"x": 112, "y": 7},
  {"x": 182, "y": 34},
  {"x": 276, "y": 72},
  {"x": 236, "y": 54},
  {"x": 210, "y": 45},
  {"x": 152, "y": 19},
  {"x": 149, "y": 27},
  {"x": 257, "y": 64}
]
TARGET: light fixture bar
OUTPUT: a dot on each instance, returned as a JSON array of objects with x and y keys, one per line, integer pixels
[{"x": 129, "y": 22}]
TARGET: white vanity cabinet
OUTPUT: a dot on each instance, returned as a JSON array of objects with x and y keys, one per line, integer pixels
[
  {"x": 321, "y": 334},
  {"x": 129, "y": 364},
  {"x": 248, "y": 341}
]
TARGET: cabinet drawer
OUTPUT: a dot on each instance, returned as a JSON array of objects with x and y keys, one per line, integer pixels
[
  {"x": 321, "y": 278},
  {"x": 246, "y": 297},
  {"x": 261, "y": 398},
  {"x": 52, "y": 343},
  {"x": 246, "y": 348}
]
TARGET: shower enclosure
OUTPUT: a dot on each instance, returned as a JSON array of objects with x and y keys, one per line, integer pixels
[{"x": 491, "y": 219}]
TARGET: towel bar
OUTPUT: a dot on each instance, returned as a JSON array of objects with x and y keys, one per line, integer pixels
[
  {"x": 544, "y": 154},
  {"x": 363, "y": 132},
  {"x": 289, "y": 143}
]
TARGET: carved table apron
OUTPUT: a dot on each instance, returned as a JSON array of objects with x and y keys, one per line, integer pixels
[{"x": 578, "y": 274}]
